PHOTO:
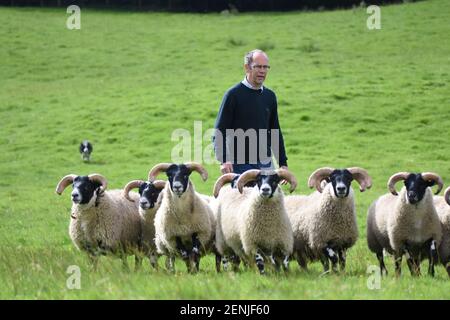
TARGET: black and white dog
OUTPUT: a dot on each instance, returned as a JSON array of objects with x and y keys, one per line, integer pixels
[{"x": 86, "y": 150}]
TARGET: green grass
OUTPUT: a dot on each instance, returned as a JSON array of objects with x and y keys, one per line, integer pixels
[{"x": 347, "y": 97}]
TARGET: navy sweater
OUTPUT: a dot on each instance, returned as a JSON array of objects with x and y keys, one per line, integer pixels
[{"x": 245, "y": 108}]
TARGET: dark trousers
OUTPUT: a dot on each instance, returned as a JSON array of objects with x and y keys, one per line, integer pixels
[{"x": 241, "y": 168}]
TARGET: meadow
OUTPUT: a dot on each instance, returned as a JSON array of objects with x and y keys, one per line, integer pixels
[{"x": 347, "y": 96}]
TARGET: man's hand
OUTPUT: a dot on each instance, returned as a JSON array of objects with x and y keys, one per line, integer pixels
[
  {"x": 226, "y": 167},
  {"x": 283, "y": 182}
]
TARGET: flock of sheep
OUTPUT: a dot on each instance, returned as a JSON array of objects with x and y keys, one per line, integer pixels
[{"x": 249, "y": 219}]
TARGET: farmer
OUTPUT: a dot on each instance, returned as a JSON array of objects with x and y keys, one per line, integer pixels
[{"x": 247, "y": 128}]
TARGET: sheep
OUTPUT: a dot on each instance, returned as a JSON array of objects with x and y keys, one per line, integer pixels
[
  {"x": 102, "y": 221},
  {"x": 252, "y": 222},
  {"x": 224, "y": 251},
  {"x": 324, "y": 222},
  {"x": 149, "y": 202},
  {"x": 406, "y": 223},
  {"x": 183, "y": 225},
  {"x": 86, "y": 149},
  {"x": 442, "y": 207}
]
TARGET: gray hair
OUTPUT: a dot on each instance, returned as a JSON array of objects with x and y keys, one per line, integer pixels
[{"x": 248, "y": 58}]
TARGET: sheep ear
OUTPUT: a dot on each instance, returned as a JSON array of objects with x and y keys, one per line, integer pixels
[{"x": 431, "y": 183}]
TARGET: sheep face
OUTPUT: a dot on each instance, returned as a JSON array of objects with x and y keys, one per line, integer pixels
[
  {"x": 148, "y": 195},
  {"x": 341, "y": 180},
  {"x": 84, "y": 189},
  {"x": 86, "y": 150},
  {"x": 267, "y": 184},
  {"x": 178, "y": 176},
  {"x": 416, "y": 187}
]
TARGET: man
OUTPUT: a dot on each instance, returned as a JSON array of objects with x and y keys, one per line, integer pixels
[{"x": 247, "y": 127}]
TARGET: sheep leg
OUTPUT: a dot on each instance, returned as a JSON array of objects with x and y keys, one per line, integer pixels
[
  {"x": 181, "y": 249},
  {"x": 301, "y": 260},
  {"x": 281, "y": 259},
  {"x": 275, "y": 262},
  {"x": 411, "y": 262},
  {"x": 195, "y": 253},
  {"x": 170, "y": 263},
  {"x": 225, "y": 263},
  {"x": 447, "y": 267},
  {"x": 342, "y": 259},
  {"x": 432, "y": 257},
  {"x": 382, "y": 265},
  {"x": 218, "y": 262},
  {"x": 398, "y": 264},
  {"x": 417, "y": 265},
  {"x": 184, "y": 253},
  {"x": 285, "y": 263},
  {"x": 325, "y": 262},
  {"x": 137, "y": 262},
  {"x": 153, "y": 260},
  {"x": 259, "y": 262},
  {"x": 331, "y": 254},
  {"x": 218, "y": 257},
  {"x": 236, "y": 262},
  {"x": 245, "y": 262}
]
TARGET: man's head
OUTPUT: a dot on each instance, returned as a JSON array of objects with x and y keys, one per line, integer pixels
[{"x": 256, "y": 65}]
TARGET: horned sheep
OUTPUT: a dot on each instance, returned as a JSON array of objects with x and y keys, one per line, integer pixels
[
  {"x": 252, "y": 222},
  {"x": 442, "y": 205},
  {"x": 149, "y": 202},
  {"x": 324, "y": 223},
  {"x": 406, "y": 223},
  {"x": 183, "y": 225},
  {"x": 102, "y": 221}
]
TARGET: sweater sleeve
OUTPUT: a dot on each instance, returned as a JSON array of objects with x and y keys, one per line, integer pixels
[
  {"x": 224, "y": 121},
  {"x": 280, "y": 152}
]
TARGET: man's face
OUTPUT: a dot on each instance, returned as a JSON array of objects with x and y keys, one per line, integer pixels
[{"x": 256, "y": 72}]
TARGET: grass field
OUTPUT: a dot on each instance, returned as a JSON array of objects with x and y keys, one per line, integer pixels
[{"x": 348, "y": 96}]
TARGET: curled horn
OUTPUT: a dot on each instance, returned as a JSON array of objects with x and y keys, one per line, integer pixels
[
  {"x": 159, "y": 184},
  {"x": 363, "y": 178},
  {"x": 289, "y": 177},
  {"x": 160, "y": 167},
  {"x": 318, "y": 176},
  {"x": 193, "y": 166},
  {"x": 447, "y": 195},
  {"x": 394, "y": 179},
  {"x": 131, "y": 185},
  {"x": 246, "y": 177},
  {"x": 64, "y": 182},
  {"x": 224, "y": 179},
  {"x": 427, "y": 176},
  {"x": 100, "y": 179}
]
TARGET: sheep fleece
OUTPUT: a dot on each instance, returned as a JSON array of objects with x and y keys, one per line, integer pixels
[
  {"x": 113, "y": 225},
  {"x": 443, "y": 210},
  {"x": 246, "y": 222},
  {"x": 321, "y": 217},
  {"x": 181, "y": 217}
]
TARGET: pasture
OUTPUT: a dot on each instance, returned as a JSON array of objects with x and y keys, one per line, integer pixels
[{"x": 347, "y": 96}]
